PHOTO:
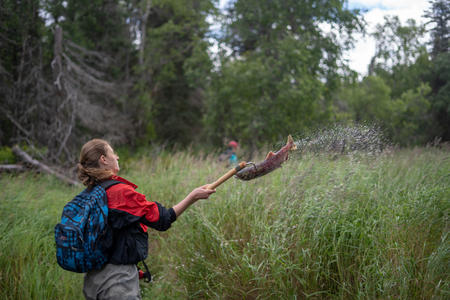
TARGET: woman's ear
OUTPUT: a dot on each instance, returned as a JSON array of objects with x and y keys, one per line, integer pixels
[{"x": 102, "y": 160}]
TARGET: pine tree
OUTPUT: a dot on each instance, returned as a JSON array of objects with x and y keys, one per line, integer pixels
[
  {"x": 439, "y": 76},
  {"x": 439, "y": 16}
]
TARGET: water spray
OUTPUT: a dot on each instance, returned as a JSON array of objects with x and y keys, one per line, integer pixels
[
  {"x": 343, "y": 139},
  {"x": 339, "y": 139}
]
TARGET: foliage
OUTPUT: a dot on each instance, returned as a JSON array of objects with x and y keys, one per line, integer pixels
[
  {"x": 253, "y": 103},
  {"x": 396, "y": 44},
  {"x": 21, "y": 57},
  {"x": 7, "y": 156},
  {"x": 345, "y": 227},
  {"x": 439, "y": 80},
  {"x": 398, "y": 93},
  {"x": 281, "y": 70},
  {"x": 412, "y": 116},
  {"x": 439, "y": 15},
  {"x": 405, "y": 119},
  {"x": 175, "y": 68},
  {"x": 439, "y": 74},
  {"x": 61, "y": 76},
  {"x": 371, "y": 101}
]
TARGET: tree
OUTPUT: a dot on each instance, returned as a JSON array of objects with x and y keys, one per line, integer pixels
[
  {"x": 400, "y": 55},
  {"x": 439, "y": 15},
  {"x": 404, "y": 120},
  {"x": 22, "y": 73},
  {"x": 282, "y": 69},
  {"x": 396, "y": 44},
  {"x": 61, "y": 72},
  {"x": 402, "y": 62},
  {"x": 439, "y": 74},
  {"x": 370, "y": 101},
  {"x": 411, "y": 116},
  {"x": 175, "y": 68},
  {"x": 438, "y": 78}
]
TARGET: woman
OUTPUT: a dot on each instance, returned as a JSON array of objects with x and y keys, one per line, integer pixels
[{"x": 129, "y": 215}]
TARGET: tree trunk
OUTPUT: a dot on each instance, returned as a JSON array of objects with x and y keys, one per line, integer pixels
[
  {"x": 12, "y": 168},
  {"x": 42, "y": 167}
]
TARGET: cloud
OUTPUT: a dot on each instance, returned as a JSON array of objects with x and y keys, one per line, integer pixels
[
  {"x": 359, "y": 57},
  {"x": 387, "y": 4},
  {"x": 376, "y": 10},
  {"x": 365, "y": 4}
]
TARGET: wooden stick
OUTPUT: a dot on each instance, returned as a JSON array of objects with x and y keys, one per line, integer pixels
[
  {"x": 227, "y": 176},
  {"x": 42, "y": 167}
]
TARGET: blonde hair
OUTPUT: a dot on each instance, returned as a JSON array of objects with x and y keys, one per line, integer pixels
[{"x": 88, "y": 168}]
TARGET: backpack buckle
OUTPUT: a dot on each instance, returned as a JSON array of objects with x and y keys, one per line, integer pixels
[{"x": 147, "y": 276}]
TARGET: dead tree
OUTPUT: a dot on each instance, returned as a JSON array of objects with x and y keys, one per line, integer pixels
[
  {"x": 57, "y": 107},
  {"x": 85, "y": 90},
  {"x": 12, "y": 168},
  {"x": 41, "y": 166}
]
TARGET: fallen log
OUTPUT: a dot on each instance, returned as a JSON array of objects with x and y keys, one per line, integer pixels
[
  {"x": 41, "y": 166},
  {"x": 12, "y": 168}
]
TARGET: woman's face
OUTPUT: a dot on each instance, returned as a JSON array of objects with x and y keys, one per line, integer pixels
[{"x": 110, "y": 161}]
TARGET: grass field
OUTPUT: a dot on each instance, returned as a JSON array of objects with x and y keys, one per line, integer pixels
[{"x": 321, "y": 227}]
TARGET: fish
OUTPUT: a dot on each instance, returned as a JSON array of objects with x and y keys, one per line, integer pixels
[{"x": 271, "y": 162}]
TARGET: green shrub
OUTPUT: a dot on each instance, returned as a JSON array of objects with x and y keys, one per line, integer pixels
[{"x": 7, "y": 156}]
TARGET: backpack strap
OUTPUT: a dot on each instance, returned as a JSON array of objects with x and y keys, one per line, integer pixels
[{"x": 109, "y": 183}]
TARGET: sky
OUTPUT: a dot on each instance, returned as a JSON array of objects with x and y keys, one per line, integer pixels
[
  {"x": 374, "y": 12},
  {"x": 359, "y": 57}
]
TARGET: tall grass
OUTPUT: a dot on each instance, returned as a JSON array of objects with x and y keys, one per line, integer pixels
[{"x": 321, "y": 227}]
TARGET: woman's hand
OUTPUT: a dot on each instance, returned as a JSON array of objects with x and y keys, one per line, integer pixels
[
  {"x": 202, "y": 192},
  {"x": 198, "y": 193}
]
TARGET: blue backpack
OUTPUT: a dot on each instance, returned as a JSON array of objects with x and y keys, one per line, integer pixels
[{"x": 83, "y": 236}]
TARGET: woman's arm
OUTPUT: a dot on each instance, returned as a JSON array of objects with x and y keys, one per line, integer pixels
[{"x": 199, "y": 193}]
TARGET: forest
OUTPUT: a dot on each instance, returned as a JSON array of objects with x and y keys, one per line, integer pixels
[{"x": 141, "y": 73}]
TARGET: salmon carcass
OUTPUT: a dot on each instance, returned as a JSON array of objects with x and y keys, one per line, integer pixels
[{"x": 273, "y": 161}]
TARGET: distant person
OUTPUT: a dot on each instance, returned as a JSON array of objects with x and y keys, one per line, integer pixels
[
  {"x": 130, "y": 214},
  {"x": 230, "y": 154}
]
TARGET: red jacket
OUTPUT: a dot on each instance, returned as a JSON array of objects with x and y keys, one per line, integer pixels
[{"x": 129, "y": 216}]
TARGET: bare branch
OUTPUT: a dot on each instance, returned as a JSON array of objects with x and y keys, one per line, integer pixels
[
  {"x": 68, "y": 132},
  {"x": 13, "y": 168},
  {"x": 15, "y": 122},
  {"x": 28, "y": 159},
  {"x": 85, "y": 51}
]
